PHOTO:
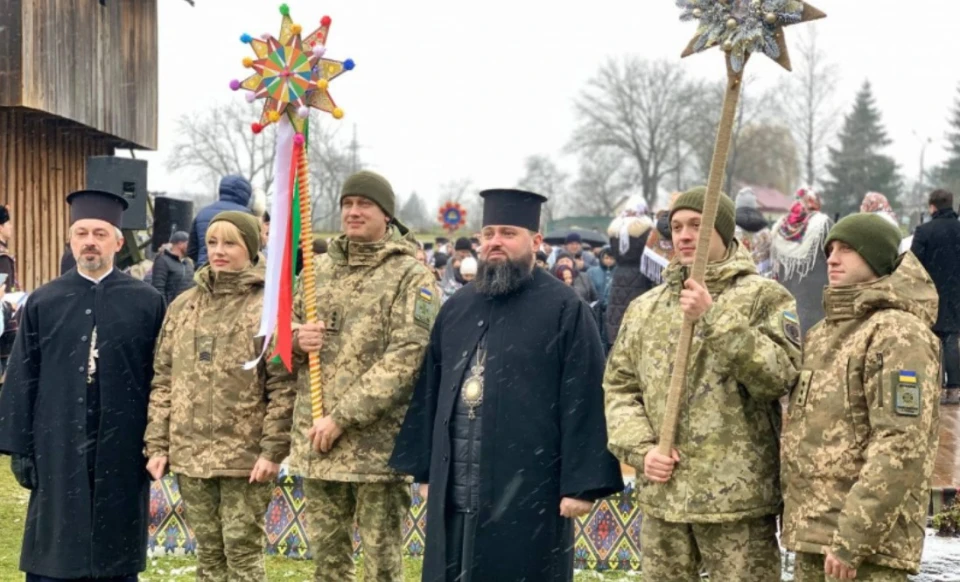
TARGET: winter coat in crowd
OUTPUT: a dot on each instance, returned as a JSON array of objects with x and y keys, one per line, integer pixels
[
  {"x": 208, "y": 414},
  {"x": 861, "y": 434},
  {"x": 171, "y": 275},
  {"x": 378, "y": 303},
  {"x": 937, "y": 245},
  {"x": 601, "y": 276},
  {"x": 627, "y": 282},
  {"x": 742, "y": 361},
  {"x": 235, "y": 193}
]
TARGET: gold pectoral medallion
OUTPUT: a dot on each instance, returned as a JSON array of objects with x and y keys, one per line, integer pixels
[{"x": 472, "y": 390}]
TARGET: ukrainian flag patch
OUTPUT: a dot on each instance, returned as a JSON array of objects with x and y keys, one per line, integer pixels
[
  {"x": 908, "y": 377},
  {"x": 791, "y": 328},
  {"x": 424, "y": 310},
  {"x": 906, "y": 397}
]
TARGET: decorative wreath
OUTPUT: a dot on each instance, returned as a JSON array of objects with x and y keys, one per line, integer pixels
[{"x": 741, "y": 27}]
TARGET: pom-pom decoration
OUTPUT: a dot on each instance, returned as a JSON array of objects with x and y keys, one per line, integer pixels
[
  {"x": 298, "y": 139},
  {"x": 256, "y": 127},
  {"x": 234, "y": 85},
  {"x": 452, "y": 216},
  {"x": 291, "y": 74},
  {"x": 245, "y": 38}
]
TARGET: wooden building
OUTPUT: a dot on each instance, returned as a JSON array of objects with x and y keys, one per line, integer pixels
[{"x": 77, "y": 78}]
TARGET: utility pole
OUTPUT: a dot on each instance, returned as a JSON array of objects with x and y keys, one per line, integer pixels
[{"x": 354, "y": 147}]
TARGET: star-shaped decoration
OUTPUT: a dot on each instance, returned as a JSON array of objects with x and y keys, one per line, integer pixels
[
  {"x": 291, "y": 74},
  {"x": 743, "y": 27}
]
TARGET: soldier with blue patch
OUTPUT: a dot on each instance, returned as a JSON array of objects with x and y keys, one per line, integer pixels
[{"x": 861, "y": 433}]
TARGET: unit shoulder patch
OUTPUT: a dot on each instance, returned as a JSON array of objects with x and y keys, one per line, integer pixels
[
  {"x": 907, "y": 394},
  {"x": 424, "y": 310},
  {"x": 791, "y": 328}
]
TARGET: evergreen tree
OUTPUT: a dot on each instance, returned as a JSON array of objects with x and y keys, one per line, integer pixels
[
  {"x": 857, "y": 166},
  {"x": 413, "y": 213},
  {"x": 948, "y": 175}
]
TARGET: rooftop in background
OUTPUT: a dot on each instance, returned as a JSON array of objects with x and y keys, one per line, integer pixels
[{"x": 770, "y": 200}]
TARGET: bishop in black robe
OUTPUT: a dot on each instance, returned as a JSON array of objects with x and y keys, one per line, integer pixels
[
  {"x": 542, "y": 436},
  {"x": 76, "y": 433}
]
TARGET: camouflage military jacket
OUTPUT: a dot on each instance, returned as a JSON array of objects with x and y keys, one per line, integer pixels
[
  {"x": 861, "y": 431},
  {"x": 211, "y": 417},
  {"x": 378, "y": 304},
  {"x": 744, "y": 357}
]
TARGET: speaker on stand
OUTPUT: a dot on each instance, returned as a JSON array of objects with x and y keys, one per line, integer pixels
[{"x": 169, "y": 216}]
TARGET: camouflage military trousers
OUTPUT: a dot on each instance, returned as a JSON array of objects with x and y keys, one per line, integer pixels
[
  {"x": 741, "y": 551},
  {"x": 226, "y": 515},
  {"x": 377, "y": 508},
  {"x": 809, "y": 568}
]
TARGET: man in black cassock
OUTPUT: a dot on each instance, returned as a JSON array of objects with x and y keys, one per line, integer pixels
[
  {"x": 506, "y": 423},
  {"x": 73, "y": 409}
]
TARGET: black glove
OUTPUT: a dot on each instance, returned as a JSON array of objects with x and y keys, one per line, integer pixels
[{"x": 25, "y": 471}]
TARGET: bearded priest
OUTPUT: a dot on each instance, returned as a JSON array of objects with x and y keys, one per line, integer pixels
[{"x": 506, "y": 430}]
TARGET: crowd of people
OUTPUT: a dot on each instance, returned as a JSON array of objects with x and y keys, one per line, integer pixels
[{"x": 508, "y": 377}]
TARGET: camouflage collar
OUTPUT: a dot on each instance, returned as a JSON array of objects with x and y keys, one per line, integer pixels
[
  {"x": 231, "y": 283},
  {"x": 720, "y": 275},
  {"x": 355, "y": 254},
  {"x": 909, "y": 288}
]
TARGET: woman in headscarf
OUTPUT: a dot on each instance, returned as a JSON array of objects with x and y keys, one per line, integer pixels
[
  {"x": 797, "y": 253},
  {"x": 221, "y": 426},
  {"x": 877, "y": 203},
  {"x": 581, "y": 283},
  {"x": 753, "y": 231}
]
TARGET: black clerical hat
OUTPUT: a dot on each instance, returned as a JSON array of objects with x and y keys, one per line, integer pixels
[
  {"x": 97, "y": 204},
  {"x": 512, "y": 208}
]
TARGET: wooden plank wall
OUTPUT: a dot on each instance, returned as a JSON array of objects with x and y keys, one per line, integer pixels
[
  {"x": 93, "y": 64},
  {"x": 11, "y": 77},
  {"x": 42, "y": 160}
]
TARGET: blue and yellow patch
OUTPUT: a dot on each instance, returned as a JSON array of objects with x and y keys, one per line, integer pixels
[
  {"x": 906, "y": 397},
  {"x": 425, "y": 309},
  {"x": 791, "y": 328}
]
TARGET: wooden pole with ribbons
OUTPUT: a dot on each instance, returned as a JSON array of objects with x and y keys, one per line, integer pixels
[
  {"x": 308, "y": 278},
  {"x": 739, "y": 27}
]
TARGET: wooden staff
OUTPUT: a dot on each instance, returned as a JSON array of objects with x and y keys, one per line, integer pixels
[
  {"x": 711, "y": 204},
  {"x": 308, "y": 279}
]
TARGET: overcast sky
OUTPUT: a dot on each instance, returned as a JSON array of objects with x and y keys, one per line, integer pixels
[{"x": 449, "y": 90}]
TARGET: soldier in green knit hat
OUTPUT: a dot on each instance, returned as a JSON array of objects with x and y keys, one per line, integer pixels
[
  {"x": 861, "y": 435},
  {"x": 714, "y": 499}
]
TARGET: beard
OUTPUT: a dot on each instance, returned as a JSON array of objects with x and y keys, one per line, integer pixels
[{"x": 496, "y": 279}]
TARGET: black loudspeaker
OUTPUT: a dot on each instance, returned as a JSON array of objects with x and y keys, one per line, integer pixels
[
  {"x": 124, "y": 177},
  {"x": 169, "y": 216}
]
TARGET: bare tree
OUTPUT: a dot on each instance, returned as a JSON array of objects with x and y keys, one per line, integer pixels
[
  {"x": 753, "y": 110},
  {"x": 331, "y": 163},
  {"x": 218, "y": 142},
  {"x": 639, "y": 108},
  {"x": 767, "y": 157},
  {"x": 544, "y": 177},
  {"x": 807, "y": 101},
  {"x": 603, "y": 182}
]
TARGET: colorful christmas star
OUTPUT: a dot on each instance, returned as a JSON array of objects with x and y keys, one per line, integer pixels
[
  {"x": 743, "y": 27},
  {"x": 291, "y": 74}
]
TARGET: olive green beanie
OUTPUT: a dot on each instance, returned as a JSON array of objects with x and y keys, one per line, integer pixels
[
  {"x": 694, "y": 199},
  {"x": 249, "y": 228},
  {"x": 373, "y": 186},
  {"x": 873, "y": 237}
]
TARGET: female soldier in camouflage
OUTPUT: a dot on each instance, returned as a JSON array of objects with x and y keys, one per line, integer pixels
[{"x": 223, "y": 429}]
